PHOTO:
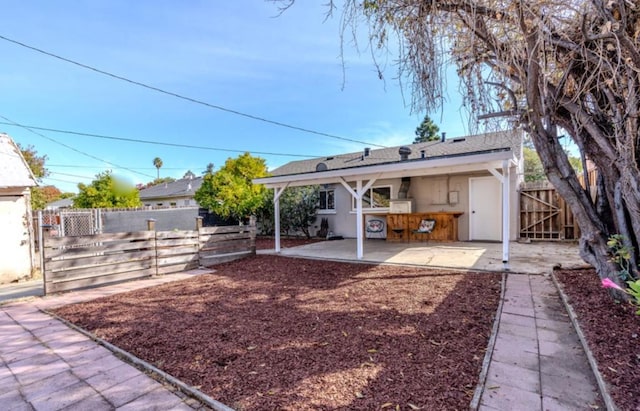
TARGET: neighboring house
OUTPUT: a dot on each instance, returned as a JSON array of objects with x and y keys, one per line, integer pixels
[
  {"x": 471, "y": 182},
  {"x": 17, "y": 257},
  {"x": 60, "y": 204},
  {"x": 176, "y": 194}
]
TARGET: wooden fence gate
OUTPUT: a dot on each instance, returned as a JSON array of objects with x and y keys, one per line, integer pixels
[{"x": 544, "y": 215}]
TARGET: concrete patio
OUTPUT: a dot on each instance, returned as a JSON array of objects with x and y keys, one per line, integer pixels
[{"x": 527, "y": 258}]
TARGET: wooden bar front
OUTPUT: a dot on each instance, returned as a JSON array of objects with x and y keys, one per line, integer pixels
[{"x": 400, "y": 227}]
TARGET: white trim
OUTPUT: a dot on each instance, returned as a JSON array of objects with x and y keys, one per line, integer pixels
[
  {"x": 458, "y": 164},
  {"x": 326, "y": 212},
  {"x": 277, "y": 192},
  {"x": 506, "y": 212}
]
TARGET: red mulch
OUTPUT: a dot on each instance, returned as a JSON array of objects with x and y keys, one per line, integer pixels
[
  {"x": 612, "y": 331},
  {"x": 267, "y": 243},
  {"x": 270, "y": 332}
]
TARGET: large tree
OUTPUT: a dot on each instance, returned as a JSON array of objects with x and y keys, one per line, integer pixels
[
  {"x": 230, "y": 192},
  {"x": 542, "y": 65},
  {"x": 107, "y": 191},
  {"x": 426, "y": 131}
]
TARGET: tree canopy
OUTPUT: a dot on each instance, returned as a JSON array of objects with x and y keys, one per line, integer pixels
[
  {"x": 40, "y": 196},
  {"x": 157, "y": 163},
  {"x": 107, "y": 191},
  {"x": 426, "y": 131},
  {"x": 230, "y": 192},
  {"x": 540, "y": 65}
]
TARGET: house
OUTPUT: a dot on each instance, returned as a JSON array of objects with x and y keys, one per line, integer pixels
[
  {"x": 17, "y": 256},
  {"x": 468, "y": 185},
  {"x": 175, "y": 194},
  {"x": 60, "y": 204}
]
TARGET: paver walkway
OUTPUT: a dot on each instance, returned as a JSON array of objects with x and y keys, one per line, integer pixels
[
  {"x": 538, "y": 362},
  {"x": 45, "y": 365}
]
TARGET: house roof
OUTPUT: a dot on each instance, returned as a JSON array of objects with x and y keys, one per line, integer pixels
[
  {"x": 185, "y": 187},
  {"x": 62, "y": 203},
  {"x": 510, "y": 140},
  {"x": 488, "y": 152},
  {"x": 14, "y": 171}
]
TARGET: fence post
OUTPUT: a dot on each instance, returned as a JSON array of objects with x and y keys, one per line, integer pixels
[
  {"x": 151, "y": 226},
  {"x": 199, "y": 220},
  {"x": 253, "y": 231}
]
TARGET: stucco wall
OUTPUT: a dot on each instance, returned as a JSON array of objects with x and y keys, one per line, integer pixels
[
  {"x": 15, "y": 241},
  {"x": 429, "y": 193}
]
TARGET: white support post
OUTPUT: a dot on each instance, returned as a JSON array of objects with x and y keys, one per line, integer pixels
[
  {"x": 359, "y": 241},
  {"x": 277, "y": 192},
  {"x": 506, "y": 213},
  {"x": 357, "y": 194}
]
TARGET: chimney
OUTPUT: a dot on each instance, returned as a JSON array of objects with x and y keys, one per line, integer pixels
[
  {"x": 367, "y": 151},
  {"x": 444, "y": 136},
  {"x": 423, "y": 153},
  {"x": 404, "y": 152}
]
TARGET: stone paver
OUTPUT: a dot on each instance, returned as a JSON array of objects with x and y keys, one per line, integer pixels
[
  {"x": 537, "y": 362},
  {"x": 45, "y": 365}
]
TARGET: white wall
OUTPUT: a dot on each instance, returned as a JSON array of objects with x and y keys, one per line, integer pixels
[{"x": 15, "y": 241}]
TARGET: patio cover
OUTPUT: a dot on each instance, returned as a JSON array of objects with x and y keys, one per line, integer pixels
[{"x": 494, "y": 152}]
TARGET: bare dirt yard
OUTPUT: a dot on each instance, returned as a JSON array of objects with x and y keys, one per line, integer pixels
[
  {"x": 276, "y": 333},
  {"x": 612, "y": 331}
]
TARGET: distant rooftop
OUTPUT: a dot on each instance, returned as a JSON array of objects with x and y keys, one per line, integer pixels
[{"x": 185, "y": 187}]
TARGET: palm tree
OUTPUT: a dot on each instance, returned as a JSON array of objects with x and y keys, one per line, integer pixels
[{"x": 157, "y": 163}]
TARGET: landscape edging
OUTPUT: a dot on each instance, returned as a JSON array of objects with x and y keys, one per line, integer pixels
[
  {"x": 602, "y": 385},
  {"x": 138, "y": 363},
  {"x": 477, "y": 395}
]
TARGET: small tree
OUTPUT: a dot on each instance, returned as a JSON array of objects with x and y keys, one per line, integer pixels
[
  {"x": 106, "y": 191},
  {"x": 230, "y": 192},
  {"x": 426, "y": 131},
  {"x": 36, "y": 163},
  {"x": 298, "y": 209}
]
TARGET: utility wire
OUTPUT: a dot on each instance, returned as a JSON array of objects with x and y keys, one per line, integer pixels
[
  {"x": 183, "y": 97},
  {"x": 93, "y": 166},
  {"x": 158, "y": 143},
  {"x": 73, "y": 149}
]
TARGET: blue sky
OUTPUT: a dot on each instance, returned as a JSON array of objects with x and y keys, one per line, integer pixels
[{"x": 236, "y": 55}]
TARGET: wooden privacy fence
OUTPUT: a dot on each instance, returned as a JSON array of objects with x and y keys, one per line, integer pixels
[
  {"x": 544, "y": 215},
  {"x": 87, "y": 261}
]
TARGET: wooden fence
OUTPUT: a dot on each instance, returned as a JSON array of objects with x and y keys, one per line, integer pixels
[{"x": 87, "y": 261}]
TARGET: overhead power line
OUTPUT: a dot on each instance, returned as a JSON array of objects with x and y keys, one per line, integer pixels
[
  {"x": 72, "y": 148},
  {"x": 157, "y": 143},
  {"x": 186, "y": 98}
]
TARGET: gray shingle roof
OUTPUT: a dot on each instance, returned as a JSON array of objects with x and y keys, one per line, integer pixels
[
  {"x": 481, "y": 143},
  {"x": 185, "y": 187},
  {"x": 14, "y": 171}
]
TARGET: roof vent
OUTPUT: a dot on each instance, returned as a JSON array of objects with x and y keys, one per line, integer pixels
[
  {"x": 329, "y": 158},
  {"x": 404, "y": 152},
  {"x": 367, "y": 151},
  {"x": 189, "y": 186},
  {"x": 321, "y": 167},
  {"x": 423, "y": 153},
  {"x": 444, "y": 136},
  {"x": 458, "y": 140}
]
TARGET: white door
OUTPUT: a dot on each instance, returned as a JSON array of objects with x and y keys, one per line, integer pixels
[{"x": 485, "y": 209}]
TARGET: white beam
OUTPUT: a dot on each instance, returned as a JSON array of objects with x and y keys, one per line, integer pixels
[
  {"x": 497, "y": 175},
  {"x": 506, "y": 212}
]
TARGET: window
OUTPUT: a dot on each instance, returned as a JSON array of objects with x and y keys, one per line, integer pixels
[
  {"x": 327, "y": 200},
  {"x": 375, "y": 197}
]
